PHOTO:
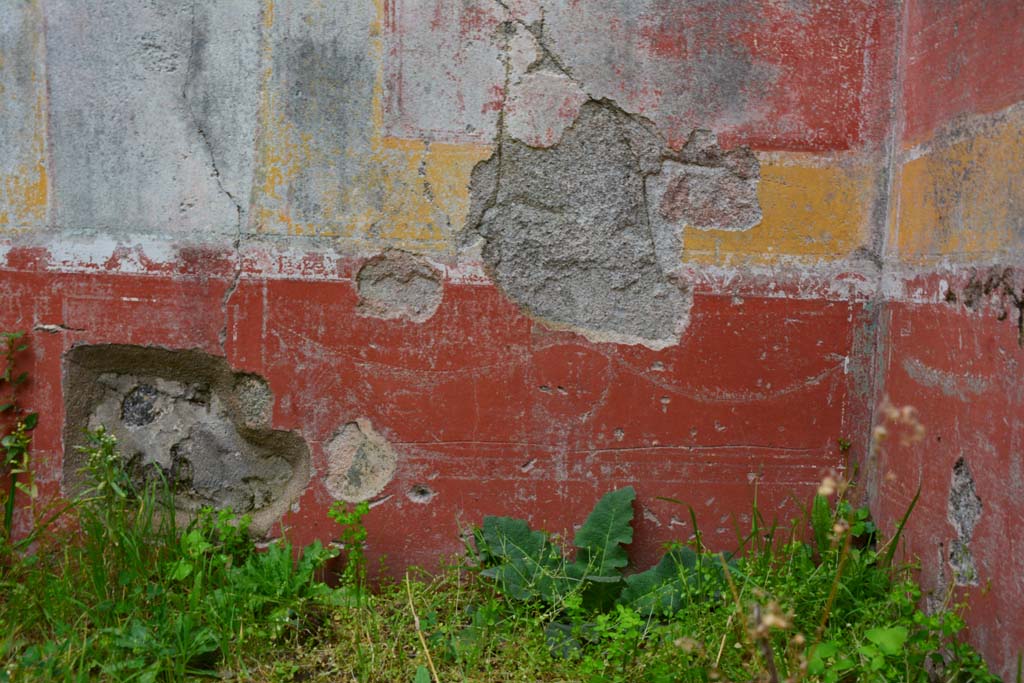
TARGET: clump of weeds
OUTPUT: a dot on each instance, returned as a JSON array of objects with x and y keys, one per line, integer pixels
[{"x": 122, "y": 590}]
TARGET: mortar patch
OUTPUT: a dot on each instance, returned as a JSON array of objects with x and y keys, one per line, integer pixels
[
  {"x": 187, "y": 417},
  {"x": 360, "y": 462},
  {"x": 397, "y": 284}
]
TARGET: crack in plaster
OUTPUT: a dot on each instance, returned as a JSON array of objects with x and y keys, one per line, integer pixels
[{"x": 236, "y": 243}]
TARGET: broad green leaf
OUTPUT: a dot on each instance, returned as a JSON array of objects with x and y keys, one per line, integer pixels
[
  {"x": 526, "y": 564},
  {"x": 889, "y": 640},
  {"x": 181, "y": 570},
  {"x": 422, "y": 675},
  {"x": 659, "y": 590},
  {"x": 31, "y": 420},
  {"x": 606, "y": 530},
  {"x": 560, "y": 640}
]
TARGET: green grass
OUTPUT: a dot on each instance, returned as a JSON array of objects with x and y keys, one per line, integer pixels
[{"x": 130, "y": 595}]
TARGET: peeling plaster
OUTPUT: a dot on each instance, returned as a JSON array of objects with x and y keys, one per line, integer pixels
[
  {"x": 963, "y": 510},
  {"x": 187, "y": 416},
  {"x": 397, "y": 284},
  {"x": 586, "y": 234}
]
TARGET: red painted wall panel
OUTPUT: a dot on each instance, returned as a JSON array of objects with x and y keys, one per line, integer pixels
[
  {"x": 491, "y": 412},
  {"x": 961, "y": 58},
  {"x": 962, "y": 371}
]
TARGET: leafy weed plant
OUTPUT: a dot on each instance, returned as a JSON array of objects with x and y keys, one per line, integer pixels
[
  {"x": 133, "y": 597},
  {"x": 832, "y": 608}
]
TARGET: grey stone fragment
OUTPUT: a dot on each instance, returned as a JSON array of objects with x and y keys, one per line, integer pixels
[
  {"x": 185, "y": 417},
  {"x": 397, "y": 284}
]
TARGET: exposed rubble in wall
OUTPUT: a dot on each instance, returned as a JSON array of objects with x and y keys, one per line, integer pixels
[
  {"x": 999, "y": 288},
  {"x": 421, "y": 494},
  {"x": 360, "y": 462},
  {"x": 585, "y": 231},
  {"x": 964, "y": 510},
  {"x": 186, "y": 417},
  {"x": 579, "y": 214},
  {"x": 397, "y": 284}
]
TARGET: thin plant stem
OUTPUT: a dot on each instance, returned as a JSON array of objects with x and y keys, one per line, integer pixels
[{"x": 419, "y": 631}]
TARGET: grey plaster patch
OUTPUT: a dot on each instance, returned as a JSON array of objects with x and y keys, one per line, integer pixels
[
  {"x": 360, "y": 462},
  {"x": 566, "y": 233},
  {"x": 963, "y": 510},
  {"x": 152, "y": 113},
  {"x": 570, "y": 234},
  {"x": 397, "y": 284},
  {"x": 185, "y": 416},
  {"x": 702, "y": 187}
]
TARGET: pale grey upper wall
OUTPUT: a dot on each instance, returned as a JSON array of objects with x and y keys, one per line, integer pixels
[{"x": 152, "y": 113}]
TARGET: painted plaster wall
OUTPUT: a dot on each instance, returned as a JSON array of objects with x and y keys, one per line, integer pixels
[
  {"x": 503, "y": 256},
  {"x": 950, "y": 334}
]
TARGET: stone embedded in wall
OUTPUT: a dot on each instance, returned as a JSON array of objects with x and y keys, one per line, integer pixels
[
  {"x": 360, "y": 462},
  {"x": 255, "y": 401},
  {"x": 397, "y": 284},
  {"x": 586, "y": 234},
  {"x": 964, "y": 510},
  {"x": 185, "y": 416},
  {"x": 999, "y": 288}
]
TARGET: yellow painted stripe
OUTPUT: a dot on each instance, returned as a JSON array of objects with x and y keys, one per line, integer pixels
[
  {"x": 965, "y": 197},
  {"x": 812, "y": 207},
  {"x": 24, "y": 181}
]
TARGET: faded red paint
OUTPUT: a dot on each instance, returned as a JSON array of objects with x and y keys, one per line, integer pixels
[
  {"x": 488, "y": 409},
  {"x": 962, "y": 58},
  {"x": 960, "y": 369},
  {"x": 831, "y": 67},
  {"x": 835, "y": 64}
]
